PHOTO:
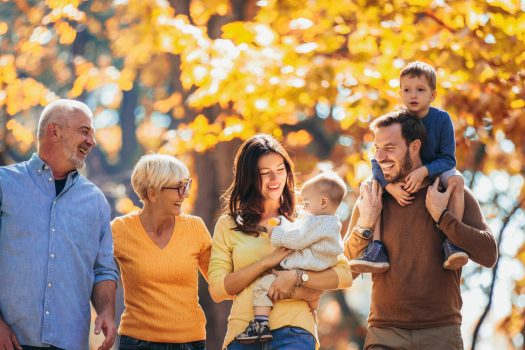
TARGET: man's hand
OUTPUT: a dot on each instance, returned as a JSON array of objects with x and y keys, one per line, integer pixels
[
  {"x": 436, "y": 201},
  {"x": 106, "y": 324},
  {"x": 414, "y": 180},
  {"x": 8, "y": 339},
  {"x": 400, "y": 195},
  {"x": 283, "y": 286},
  {"x": 369, "y": 204}
]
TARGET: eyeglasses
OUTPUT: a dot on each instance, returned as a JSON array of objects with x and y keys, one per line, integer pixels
[{"x": 181, "y": 189}]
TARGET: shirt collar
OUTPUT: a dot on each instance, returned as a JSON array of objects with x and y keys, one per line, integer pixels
[{"x": 38, "y": 165}]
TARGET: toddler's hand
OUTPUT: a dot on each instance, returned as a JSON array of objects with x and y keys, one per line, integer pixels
[
  {"x": 414, "y": 180},
  {"x": 401, "y": 196}
]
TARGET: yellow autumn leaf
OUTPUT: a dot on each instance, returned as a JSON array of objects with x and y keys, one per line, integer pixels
[
  {"x": 240, "y": 32},
  {"x": 3, "y": 28}
]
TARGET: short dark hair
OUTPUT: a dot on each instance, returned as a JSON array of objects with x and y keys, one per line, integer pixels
[
  {"x": 243, "y": 198},
  {"x": 412, "y": 128},
  {"x": 418, "y": 69}
]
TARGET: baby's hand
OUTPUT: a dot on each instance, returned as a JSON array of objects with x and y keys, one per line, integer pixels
[
  {"x": 414, "y": 180},
  {"x": 401, "y": 196}
]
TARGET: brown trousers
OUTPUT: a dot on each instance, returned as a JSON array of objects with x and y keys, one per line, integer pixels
[{"x": 391, "y": 338}]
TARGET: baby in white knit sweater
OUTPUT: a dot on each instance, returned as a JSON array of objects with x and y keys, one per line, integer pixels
[{"x": 315, "y": 238}]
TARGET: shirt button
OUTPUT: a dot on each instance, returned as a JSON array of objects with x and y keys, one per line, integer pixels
[
  {"x": 49, "y": 285},
  {"x": 52, "y": 230},
  {"x": 52, "y": 256},
  {"x": 47, "y": 312},
  {"x": 46, "y": 167},
  {"x": 50, "y": 179},
  {"x": 39, "y": 172},
  {"x": 54, "y": 202}
]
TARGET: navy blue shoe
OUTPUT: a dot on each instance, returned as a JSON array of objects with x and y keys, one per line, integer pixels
[
  {"x": 256, "y": 332},
  {"x": 454, "y": 257},
  {"x": 373, "y": 260}
]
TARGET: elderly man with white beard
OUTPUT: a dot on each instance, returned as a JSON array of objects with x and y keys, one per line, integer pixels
[{"x": 56, "y": 250}]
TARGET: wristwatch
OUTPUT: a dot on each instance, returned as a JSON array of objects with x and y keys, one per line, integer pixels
[
  {"x": 364, "y": 232},
  {"x": 302, "y": 277}
]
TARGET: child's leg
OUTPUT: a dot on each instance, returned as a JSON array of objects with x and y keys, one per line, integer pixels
[
  {"x": 455, "y": 257},
  {"x": 456, "y": 204},
  {"x": 262, "y": 305},
  {"x": 258, "y": 330}
]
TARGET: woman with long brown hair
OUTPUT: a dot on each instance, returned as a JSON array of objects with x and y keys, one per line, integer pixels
[{"x": 262, "y": 189}]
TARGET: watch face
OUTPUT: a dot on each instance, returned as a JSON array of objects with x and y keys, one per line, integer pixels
[
  {"x": 367, "y": 233},
  {"x": 304, "y": 277}
]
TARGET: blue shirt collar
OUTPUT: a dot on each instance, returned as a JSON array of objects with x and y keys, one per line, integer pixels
[{"x": 38, "y": 165}]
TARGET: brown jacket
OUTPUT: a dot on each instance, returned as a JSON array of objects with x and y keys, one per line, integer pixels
[{"x": 416, "y": 292}]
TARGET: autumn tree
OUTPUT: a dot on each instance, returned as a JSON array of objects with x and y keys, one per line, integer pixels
[{"x": 195, "y": 77}]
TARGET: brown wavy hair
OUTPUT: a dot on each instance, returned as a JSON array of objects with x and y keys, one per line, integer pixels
[{"x": 243, "y": 199}]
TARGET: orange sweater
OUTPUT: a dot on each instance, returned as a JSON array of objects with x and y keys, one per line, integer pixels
[{"x": 161, "y": 285}]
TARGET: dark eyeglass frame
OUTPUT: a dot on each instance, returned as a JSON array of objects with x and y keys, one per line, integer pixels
[{"x": 181, "y": 189}]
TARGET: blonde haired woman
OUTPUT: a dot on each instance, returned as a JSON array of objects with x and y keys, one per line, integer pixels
[{"x": 159, "y": 251}]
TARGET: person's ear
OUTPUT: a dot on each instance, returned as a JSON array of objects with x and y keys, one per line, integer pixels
[
  {"x": 324, "y": 202},
  {"x": 434, "y": 94},
  {"x": 152, "y": 195},
  {"x": 415, "y": 147},
  {"x": 53, "y": 130}
]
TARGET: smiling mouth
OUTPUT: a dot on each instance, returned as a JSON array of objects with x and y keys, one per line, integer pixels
[
  {"x": 178, "y": 204},
  {"x": 273, "y": 188},
  {"x": 388, "y": 167},
  {"x": 83, "y": 150}
]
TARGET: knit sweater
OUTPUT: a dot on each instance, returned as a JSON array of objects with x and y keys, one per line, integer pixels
[
  {"x": 161, "y": 284},
  {"x": 231, "y": 251},
  {"x": 416, "y": 292},
  {"x": 316, "y": 240}
]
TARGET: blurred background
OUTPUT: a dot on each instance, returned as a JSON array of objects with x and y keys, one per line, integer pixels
[{"x": 194, "y": 78}]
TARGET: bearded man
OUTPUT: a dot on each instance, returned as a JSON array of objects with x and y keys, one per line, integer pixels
[
  {"x": 416, "y": 304},
  {"x": 56, "y": 250}
]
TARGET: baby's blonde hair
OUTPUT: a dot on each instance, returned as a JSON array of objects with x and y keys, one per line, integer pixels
[
  {"x": 154, "y": 171},
  {"x": 329, "y": 184}
]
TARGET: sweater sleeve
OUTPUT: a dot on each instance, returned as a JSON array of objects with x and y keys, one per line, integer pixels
[
  {"x": 221, "y": 261},
  {"x": 473, "y": 234},
  {"x": 311, "y": 230},
  {"x": 446, "y": 158},
  {"x": 343, "y": 272},
  {"x": 354, "y": 243},
  {"x": 377, "y": 173},
  {"x": 205, "y": 251}
]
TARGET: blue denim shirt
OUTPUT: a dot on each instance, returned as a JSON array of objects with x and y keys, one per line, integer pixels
[{"x": 53, "y": 249}]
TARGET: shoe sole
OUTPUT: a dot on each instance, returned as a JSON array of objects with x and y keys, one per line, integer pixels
[
  {"x": 363, "y": 267},
  {"x": 456, "y": 261}
]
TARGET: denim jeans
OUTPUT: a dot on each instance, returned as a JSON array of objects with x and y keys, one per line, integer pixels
[
  {"x": 129, "y": 343},
  {"x": 286, "y": 338}
]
